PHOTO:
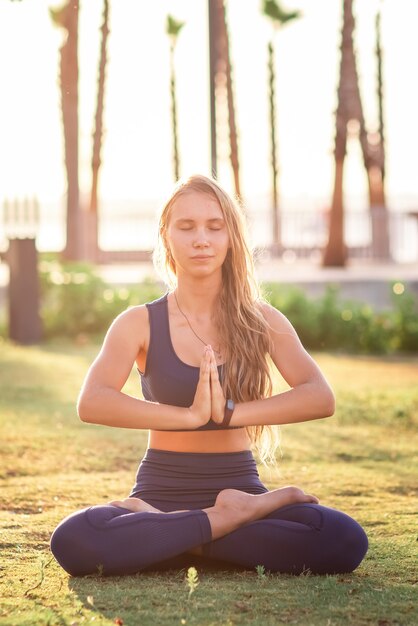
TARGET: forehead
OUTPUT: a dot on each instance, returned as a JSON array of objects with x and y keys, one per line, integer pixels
[{"x": 196, "y": 205}]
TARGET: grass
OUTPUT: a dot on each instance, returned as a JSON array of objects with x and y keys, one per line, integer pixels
[{"x": 362, "y": 461}]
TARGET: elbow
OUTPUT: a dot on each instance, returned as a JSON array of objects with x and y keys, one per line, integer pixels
[
  {"x": 84, "y": 408},
  {"x": 328, "y": 403}
]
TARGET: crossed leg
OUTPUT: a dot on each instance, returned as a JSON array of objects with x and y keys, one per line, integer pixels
[
  {"x": 232, "y": 508},
  {"x": 294, "y": 538},
  {"x": 127, "y": 536}
]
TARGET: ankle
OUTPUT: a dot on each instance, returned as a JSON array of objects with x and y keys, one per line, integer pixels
[{"x": 231, "y": 508}]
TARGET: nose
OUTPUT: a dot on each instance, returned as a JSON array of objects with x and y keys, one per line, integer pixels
[
  {"x": 200, "y": 244},
  {"x": 200, "y": 240}
]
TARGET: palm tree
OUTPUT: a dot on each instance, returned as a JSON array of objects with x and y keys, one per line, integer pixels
[
  {"x": 213, "y": 62},
  {"x": 226, "y": 69},
  {"x": 173, "y": 27},
  {"x": 335, "y": 252},
  {"x": 91, "y": 225},
  {"x": 66, "y": 17},
  {"x": 378, "y": 208},
  {"x": 350, "y": 108},
  {"x": 279, "y": 17},
  {"x": 221, "y": 74}
]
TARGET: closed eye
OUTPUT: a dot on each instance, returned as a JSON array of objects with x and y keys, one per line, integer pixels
[{"x": 190, "y": 228}]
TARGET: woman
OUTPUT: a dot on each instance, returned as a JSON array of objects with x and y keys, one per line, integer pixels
[{"x": 202, "y": 352}]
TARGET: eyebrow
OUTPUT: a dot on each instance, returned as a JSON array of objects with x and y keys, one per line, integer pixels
[{"x": 188, "y": 219}]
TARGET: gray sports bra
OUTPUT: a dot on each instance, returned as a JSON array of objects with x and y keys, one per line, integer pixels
[{"x": 167, "y": 379}]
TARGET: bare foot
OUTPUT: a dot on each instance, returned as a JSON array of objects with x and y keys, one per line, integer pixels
[
  {"x": 134, "y": 504},
  {"x": 252, "y": 507}
]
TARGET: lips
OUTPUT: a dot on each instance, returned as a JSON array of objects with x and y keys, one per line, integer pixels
[{"x": 202, "y": 256}]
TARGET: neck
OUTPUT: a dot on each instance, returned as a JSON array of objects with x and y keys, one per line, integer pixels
[{"x": 198, "y": 299}]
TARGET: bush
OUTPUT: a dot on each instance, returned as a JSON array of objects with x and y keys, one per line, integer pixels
[
  {"x": 406, "y": 320},
  {"x": 75, "y": 300},
  {"x": 328, "y": 323},
  {"x": 293, "y": 303}
]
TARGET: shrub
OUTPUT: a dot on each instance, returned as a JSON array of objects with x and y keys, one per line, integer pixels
[
  {"x": 76, "y": 300},
  {"x": 293, "y": 303},
  {"x": 406, "y": 320},
  {"x": 328, "y": 323}
]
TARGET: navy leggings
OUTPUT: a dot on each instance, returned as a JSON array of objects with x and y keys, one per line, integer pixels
[{"x": 292, "y": 539}]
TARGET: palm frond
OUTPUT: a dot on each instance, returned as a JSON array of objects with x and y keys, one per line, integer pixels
[
  {"x": 173, "y": 26},
  {"x": 273, "y": 10}
]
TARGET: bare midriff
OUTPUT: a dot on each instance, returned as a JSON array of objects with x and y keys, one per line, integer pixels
[{"x": 200, "y": 441}]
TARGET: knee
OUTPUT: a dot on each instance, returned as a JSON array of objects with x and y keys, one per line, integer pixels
[
  {"x": 351, "y": 545},
  {"x": 73, "y": 546}
]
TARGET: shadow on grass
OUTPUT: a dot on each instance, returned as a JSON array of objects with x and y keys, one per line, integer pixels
[
  {"x": 158, "y": 589},
  {"x": 228, "y": 595}
]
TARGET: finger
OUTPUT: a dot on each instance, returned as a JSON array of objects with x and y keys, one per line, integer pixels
[
  {"x": 205, "y": 356},
  {"x": 214, "y": 371},
  {"x": 204, "y": 368},
  {"x": 216, "y": 387},
  {"x": 212, "y": 355}
]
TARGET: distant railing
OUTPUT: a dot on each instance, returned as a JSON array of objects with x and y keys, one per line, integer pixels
[{"x": 130, "y": 235}]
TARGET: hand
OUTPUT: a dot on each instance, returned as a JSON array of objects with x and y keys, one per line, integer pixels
[
  {"x": 216, "y": 392},
  {"x": 201, "y": 408}
]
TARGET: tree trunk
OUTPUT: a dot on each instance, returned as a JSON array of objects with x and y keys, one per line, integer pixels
[
  {"x": 98, "y": 130},
  {"x": 176, "y": 158},
  {"x": 373, "y": 151},
  {"x": 67, "y": 18},
  {"x": 227, "y": 69},
  {"x": 335, "y": 254},
  {"x": 213, "y": 59},
  {"x": 277, "y": 243},
  {"x": 348, "y": 107},
  {"x": 90, "y": 227},
  {"x": 376, "y": 174}
]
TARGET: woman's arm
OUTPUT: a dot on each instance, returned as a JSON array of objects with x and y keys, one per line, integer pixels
[
  {"x": 101, "y": 400},
  {"x": 310, "y": 396}
]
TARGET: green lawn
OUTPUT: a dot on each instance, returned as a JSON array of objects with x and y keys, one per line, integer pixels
[{"x": 362, "y": 461}]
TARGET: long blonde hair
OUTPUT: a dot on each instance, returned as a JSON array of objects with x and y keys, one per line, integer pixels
[{"x": 238, "y": 315}]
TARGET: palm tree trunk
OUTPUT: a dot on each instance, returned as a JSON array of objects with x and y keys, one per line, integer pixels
[
  {"x": 223, "y": 68},
  {"x": 373, "y": 155},
  {"x": 176, "y": 158},
  {"x": 380, "y": 92},
  {"x": 91, "y": 226},
  {"x": 225, "y": 56},
  {"x": 98, "y": 130},
  {"x": 276, "y": 247},
  {"x": 348, "y": 107},
  {"x": 335, "y": 254},
  {"x": 213, "y": 60},
  {"x": 378, "y": 208},
  {"x": 67, "y": 18}
]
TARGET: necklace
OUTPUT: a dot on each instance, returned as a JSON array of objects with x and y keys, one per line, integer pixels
[{"x": 217, "y": 352}]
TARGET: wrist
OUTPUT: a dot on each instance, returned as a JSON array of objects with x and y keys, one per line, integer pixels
[
  {"x": 228, "y": 411},
  {"x": 195, "y": 419}
]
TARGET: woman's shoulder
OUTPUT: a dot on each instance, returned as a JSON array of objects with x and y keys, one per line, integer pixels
[
  {"x": 137, "y": 316},
  {"x": 275, "y": 319},
  {"x": 132, "y": 319}
]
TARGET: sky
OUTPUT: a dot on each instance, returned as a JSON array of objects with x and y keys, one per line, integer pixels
[{"x": 137, "y": 149}]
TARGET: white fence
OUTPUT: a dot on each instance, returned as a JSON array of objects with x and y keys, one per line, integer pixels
[{"x": 133, "y": 227}]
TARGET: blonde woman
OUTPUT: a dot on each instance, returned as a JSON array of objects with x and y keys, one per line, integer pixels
[{"x": 202, "y": 351}]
